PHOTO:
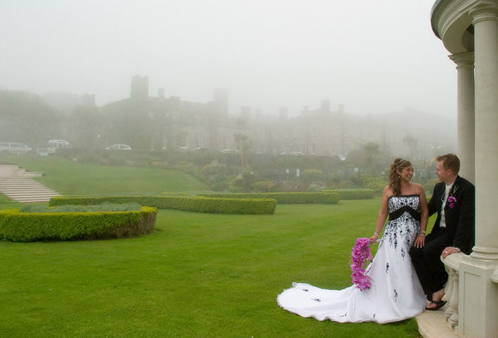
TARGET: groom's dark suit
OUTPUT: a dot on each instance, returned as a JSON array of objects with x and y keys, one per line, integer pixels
[{"x": 459, "y": 232}]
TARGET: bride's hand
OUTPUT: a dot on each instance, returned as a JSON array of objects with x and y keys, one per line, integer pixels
[
  {"x": 420, "y": 241},
  {"x": 374, "y": 238}
]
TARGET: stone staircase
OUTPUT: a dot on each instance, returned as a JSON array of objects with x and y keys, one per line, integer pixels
[{"x": 18, "y": 185}]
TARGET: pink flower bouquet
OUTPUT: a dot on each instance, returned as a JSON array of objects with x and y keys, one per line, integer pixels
[{"x": 361, "y": 255}]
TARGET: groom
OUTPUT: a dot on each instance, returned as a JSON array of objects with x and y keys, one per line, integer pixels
[{"x": 454, "y": 201}]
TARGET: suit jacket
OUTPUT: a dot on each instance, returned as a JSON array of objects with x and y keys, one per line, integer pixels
[{"x": 459, "y": 213}]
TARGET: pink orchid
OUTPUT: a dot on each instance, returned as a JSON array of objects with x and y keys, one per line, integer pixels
[
  {"x": 452, "y": 200},
  {"x": 360, "y": 256}
]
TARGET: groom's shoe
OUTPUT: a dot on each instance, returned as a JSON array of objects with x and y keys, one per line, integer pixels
[{"x": 436, "y": 304}]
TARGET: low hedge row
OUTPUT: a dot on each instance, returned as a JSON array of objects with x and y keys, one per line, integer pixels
[
  {"x": 20, "y": 226},
  {"x": 353, "y": 194},
  {"x": 185, "y": 203},
  {"x": 288, "y": 197}
]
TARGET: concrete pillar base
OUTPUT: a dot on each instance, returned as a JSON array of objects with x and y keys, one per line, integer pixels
[{"x": 478, "y": 298}]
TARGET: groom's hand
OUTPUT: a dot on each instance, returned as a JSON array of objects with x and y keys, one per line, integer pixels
[{"x": 449, "y": 250}]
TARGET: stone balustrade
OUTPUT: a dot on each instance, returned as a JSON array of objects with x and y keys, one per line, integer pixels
[
  {"x": 453, "y": 288},
  {"x": 451, "y": 292}
]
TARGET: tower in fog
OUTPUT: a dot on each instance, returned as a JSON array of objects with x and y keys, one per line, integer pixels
[
  {"x": 139, "y": 88},
  {"x": 221, "y": 101}
]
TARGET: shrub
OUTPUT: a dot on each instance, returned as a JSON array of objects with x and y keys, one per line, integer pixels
[
  {"x": 202, "y": 204},
  {"x": 243, "y": 181},
  {"x": 353, "y": 194},
  {"x": 20, "y": 226},
  {"x": 264, "y": 186},
  {"x": 310, "y": 175},
  {"x": 374, "y": 183},
  {"x": 288, "y": 197},
  {"x": 316, "y": 186}
]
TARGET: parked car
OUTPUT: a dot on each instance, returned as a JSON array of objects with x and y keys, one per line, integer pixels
[
  {"x": 42, "y": 151},
  {"x": 14, "y": 148},
  {"x": 119, "y": 147}
]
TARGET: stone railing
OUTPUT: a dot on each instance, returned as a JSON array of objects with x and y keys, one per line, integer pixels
[{"x": 452, "y": 263}]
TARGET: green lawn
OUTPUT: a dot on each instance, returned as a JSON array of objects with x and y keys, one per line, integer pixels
[
  {"x": 197, "y": 275},
  {"x": 86, "y": 179}
]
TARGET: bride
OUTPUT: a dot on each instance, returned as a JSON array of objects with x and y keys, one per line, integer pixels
[{"x": 395, "y": 292}]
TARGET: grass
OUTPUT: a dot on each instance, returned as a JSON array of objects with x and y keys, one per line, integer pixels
[
  {"x": 197, "y": 275},
  {"x": 86, "y": 179}
]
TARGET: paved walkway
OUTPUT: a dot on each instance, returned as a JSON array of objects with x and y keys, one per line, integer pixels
[
  {"x": 18, "y": 185},
  {"x": 433, "y": 324}
]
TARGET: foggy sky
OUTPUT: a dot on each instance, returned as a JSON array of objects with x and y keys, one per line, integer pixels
[{"x": 371, "y": 56}]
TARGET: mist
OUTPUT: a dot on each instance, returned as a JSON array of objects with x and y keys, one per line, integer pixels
[{"x": 370, "y": 57}]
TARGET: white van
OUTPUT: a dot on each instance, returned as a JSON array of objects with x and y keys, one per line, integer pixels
[{"x": 53, "y": 145}]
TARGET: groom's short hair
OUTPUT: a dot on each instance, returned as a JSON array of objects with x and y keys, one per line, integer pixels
[{"x": 450, "y": 161}]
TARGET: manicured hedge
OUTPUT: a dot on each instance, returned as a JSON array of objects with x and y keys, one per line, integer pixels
[
  {"x": 20, "y": 226},
  {"x": 185, "y": 203},
  {"x": 288, "y": 197},
  {"x": 353, "y": 194}
]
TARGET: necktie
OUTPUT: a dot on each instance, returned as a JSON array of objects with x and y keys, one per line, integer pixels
[{"x": 442, "y": 223}]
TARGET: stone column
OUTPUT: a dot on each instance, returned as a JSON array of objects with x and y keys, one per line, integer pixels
[
  {"x": 466, "y": 114},
  {"x": 478, "y": 306},
  {"x": 486, "y": 126}
]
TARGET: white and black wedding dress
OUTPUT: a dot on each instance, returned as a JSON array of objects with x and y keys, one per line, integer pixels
[{"x": 395, "y": 293}]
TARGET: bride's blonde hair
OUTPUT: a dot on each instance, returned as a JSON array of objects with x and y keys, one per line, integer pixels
[{"x": 394, "y": 177}]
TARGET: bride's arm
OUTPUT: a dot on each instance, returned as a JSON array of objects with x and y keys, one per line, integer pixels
[
  {"x": 383, "y": 213},
  {"x": 424, "y": 216}
]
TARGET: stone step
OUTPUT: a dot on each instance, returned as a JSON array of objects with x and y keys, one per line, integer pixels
[
  {"x": 13, "y": 194},
  {"x": 24, "y": 189},
  {"x": 12, "y": 170}
]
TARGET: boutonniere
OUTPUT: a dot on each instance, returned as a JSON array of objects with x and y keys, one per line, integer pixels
[
  {"x": 451, "y": 201},
  {"x": 361, "y": 255}
]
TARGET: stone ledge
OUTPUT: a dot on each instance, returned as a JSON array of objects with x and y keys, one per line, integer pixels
[{"x": 433, "y": 324}]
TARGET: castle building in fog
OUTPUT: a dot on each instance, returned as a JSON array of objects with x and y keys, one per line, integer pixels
[{"x": 323, "y": 131}]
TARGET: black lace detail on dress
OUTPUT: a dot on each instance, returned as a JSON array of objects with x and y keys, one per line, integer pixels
[{"x": 404, "y": 221}]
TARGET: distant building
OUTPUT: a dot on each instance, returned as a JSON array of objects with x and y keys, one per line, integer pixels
[
  {"x": 139, "y": 88},
  {"x": 88, "y": 100},
  {"x": 189, "y": 126}
]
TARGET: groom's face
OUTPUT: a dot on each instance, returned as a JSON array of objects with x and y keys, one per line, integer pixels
[{"x": 441, "y": 172}]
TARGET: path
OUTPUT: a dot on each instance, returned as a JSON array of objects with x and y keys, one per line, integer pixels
[{"x": 18, "y": 185}]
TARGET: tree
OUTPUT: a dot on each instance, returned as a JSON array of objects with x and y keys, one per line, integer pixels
[
  {"x": 373, "y": 157},
  {"x": 411, "y": 142},
  {"x": 129, "y": 123},
  {"x": 33, "y": 119},
  {"x": 243, "y": 146},
  {"x": 368, "y": 158},
  {"x": 86, "y": 126}
]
